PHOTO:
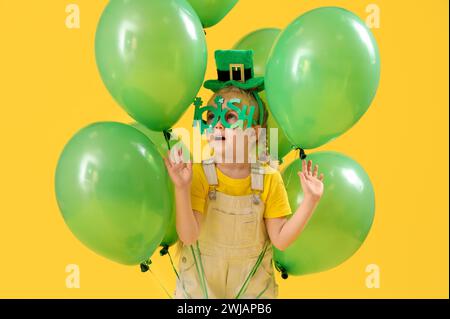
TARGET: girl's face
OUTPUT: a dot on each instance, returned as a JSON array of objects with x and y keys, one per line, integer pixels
[{"x": 231, "y": 145}]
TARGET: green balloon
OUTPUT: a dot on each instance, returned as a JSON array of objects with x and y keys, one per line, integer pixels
[
  {"x": 322, "y": 75},
  {"x": 212, "y": 12},
  {"x": 158, "y": 139},
  {"x": 341, "y": 221},
  {"x": 171, "y": 235},
  {"x": 261, "y": 42},
  {"x": 284, "y": 146},
  {"x": 152, "y": 58},
  {"x": 113, "y": 192}
]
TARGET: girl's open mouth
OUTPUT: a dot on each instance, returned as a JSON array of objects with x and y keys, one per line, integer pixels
[{"x": 219, "y": 138}]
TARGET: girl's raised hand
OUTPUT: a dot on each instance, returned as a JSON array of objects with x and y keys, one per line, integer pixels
[
  {"x": 312, "y": 183},
  {"x": 180, "y": 172}
]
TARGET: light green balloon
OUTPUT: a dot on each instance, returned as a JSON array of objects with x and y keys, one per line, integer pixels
[
  {"x": 322, "y": 75},
  {"x": 113, "y": 192},
  {"x": 152, "y": 58},
  {"x": 212, "y": 12},
  {"x": 261, "y": 42},
  {"x": 340, "y": 222}
]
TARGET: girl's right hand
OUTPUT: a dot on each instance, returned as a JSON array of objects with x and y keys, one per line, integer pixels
[{"x": 180, "y": 173}]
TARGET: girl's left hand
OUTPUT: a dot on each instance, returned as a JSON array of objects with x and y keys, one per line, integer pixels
[{"x": 312, "y": 183}]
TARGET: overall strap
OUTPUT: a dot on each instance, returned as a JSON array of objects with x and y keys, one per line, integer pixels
[
  {"x": 209, "y": 167},
  {"x": 257, "y": 181}
]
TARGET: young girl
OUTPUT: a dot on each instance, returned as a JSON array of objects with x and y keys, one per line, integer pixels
[{"x": 230, "y": 213}]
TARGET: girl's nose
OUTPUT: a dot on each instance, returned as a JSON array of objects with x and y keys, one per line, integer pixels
[{"x": 219, "y": 126}]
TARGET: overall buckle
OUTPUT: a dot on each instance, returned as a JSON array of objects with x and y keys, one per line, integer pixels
[
  {"x": 256, "y": 199},
  {"x": 212, "y": 194}
]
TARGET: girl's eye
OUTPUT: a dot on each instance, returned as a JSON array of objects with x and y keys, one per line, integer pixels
[
  {"x": 209, "y": 117},
  {"x": 231, "y": 117}
]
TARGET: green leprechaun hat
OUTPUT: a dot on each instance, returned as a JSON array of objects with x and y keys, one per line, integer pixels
[{"x": 235, "y": 68}]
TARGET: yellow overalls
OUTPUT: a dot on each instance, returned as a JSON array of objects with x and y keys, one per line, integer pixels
[{"x": 233, "y": 238}]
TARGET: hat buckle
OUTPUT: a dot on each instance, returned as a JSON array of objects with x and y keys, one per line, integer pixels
[{"x": 239, "y": 67}]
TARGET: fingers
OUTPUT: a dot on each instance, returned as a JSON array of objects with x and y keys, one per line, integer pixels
[
  {"x": 185, "y": 158},
  {"x": 179, "y": 152},
  {"x": 170, "y": 158},
  {"x": 175, "y": 162},
  {"x": 167, "y": 162},
  {"x": 316, "y": 170},
  {"x": 174, "y": 155},
  {"x": 177, "y": 155},
  {"x": 310, "y": 173},
  {"x": 308, "y": 169},
  {"x": 302, "y": 177}
]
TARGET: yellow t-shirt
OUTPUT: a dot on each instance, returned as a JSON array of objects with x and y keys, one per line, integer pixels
[{"x": 274, "y": 195}]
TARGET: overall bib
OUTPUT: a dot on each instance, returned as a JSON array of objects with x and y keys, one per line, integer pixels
[{"x": 233, "y": 255}]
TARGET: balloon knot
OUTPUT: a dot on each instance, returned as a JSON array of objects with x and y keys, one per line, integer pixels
[
  {"x": 302, "y": 153},
  {"x": 167, "y": 136},
  {"x": 145, "y": 266},
  {"x": 167, "y": 133},
  {"x": 164, "y": 251},
  {"x": 282, "y": 270}
]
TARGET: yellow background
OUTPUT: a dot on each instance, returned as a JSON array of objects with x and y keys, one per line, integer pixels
[{"x": 50, "y": 88}]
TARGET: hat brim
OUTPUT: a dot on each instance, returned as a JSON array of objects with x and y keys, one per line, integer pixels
[{"x": 252, "y": 84}]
